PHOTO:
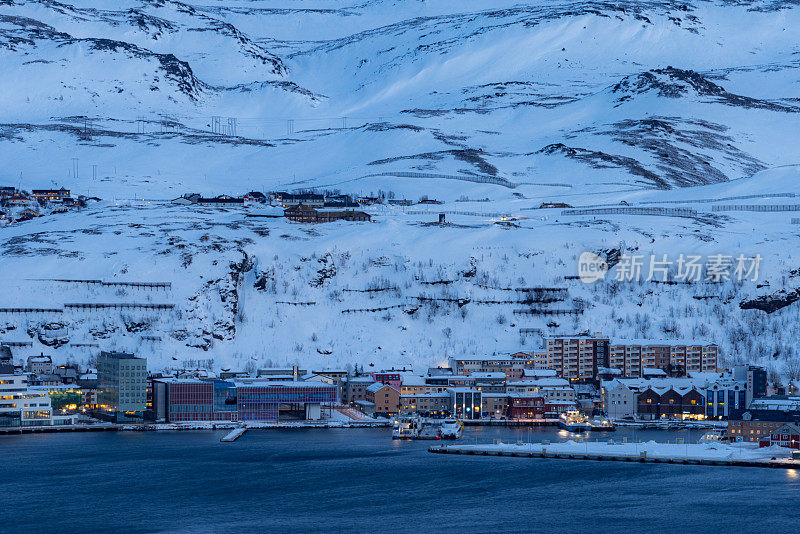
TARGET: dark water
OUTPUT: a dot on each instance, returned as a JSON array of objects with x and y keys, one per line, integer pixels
[{"x": 362, "y": 481}]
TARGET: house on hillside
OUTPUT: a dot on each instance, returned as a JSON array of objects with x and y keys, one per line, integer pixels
[
  {"x": 221, "y": 201},
  {"x": 255, "y": 196},
  {"x": 286, "y": 200},
  {"x": 369, "y": 201},
  {"x": 50, "y": 194},
  {"x": 306, "y": 214}
]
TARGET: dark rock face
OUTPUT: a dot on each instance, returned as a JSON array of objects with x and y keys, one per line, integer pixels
[
  {"x": 671, "y": 82},
  {"x": 772, "y": 303}
]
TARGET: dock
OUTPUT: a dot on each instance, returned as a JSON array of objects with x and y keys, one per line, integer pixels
[
  {"x": 654, "y": 453},
  {"x": 233, "y": 435}
]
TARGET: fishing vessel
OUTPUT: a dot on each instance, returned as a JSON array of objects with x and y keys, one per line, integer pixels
[{"x": 574, "y": 421}]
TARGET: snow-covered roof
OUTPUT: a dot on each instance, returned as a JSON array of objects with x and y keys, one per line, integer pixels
[
  {"x": 377, "y": 386},
  {"x": 425, "y": 396},
  {"x": 360, "y": 379},
  {"x": 487, "y": 374},
  {"x": 414, "y": 380},
  {"x": 540, "y": 382},
  {"x": 539, "y": 373}
]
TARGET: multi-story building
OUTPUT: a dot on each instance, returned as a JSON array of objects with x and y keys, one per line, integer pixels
[
  {"x": 264, "y": 400},
  {"x": 489, "y": 382},
  {"x": 632, "y": 358},
  {"x": 385, "y": 398},
  {"x": 526, "y": 406},
  {"x": 511, "y": 366},
  {"x": 750, "y": 430},
  {"x": 355, "y": 389},
  {"x": 122, "y": 385},
  {"x": 723, "y": 396},
  {"x": 392, "y": 378},
  {"x": 39, "y": 365},
  {"x": 20, "y": 406},
  {"x": 576, "y": 357},
  {"x": 787, "y": 435},
  {"x": 466, "y": 403},
  {"x": 675, "y": 403},
  {"x": 494, "y": 405},
  {"x": 192, "y": 399},
  {"x": 551, "y": 389},
  {"x": 430, "y": 403}
]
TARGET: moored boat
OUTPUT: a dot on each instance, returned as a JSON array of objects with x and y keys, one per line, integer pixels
[
  {"x": 601, "y": 424},
  {"x": 451, "y": 429},
  {"x": 574, "y": 421},
  {"x": 406, "y": 427}
]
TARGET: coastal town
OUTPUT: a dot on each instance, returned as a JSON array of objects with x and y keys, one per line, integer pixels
[{"x": 627, "y": 383}]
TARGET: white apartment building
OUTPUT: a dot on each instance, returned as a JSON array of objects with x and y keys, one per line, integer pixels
[{"x": 21, "y": 406}]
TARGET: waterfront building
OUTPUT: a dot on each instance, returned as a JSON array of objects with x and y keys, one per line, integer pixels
[
  {"x": 619, "y": 400},
  {"x": 193, "y": 399},
  {"x": 676, "y": 403},
  {"x": 355, "y": 389},
  {"x": 429, "y": 403},
  {"x": 385, "y": 398},
  {"x": 415, "y": 385},
  {"x": 122, "y": 380},
  {"x": 21, "y": 406},
  {"x": 526, "y": 406},
  {"x": 787, "y": 435},
  {"x": 552, "y": 389},
  {"x": 494, "y": 405},
  {"x": 466, "y": 403},
  {"x": 724, "y": 396},
  {"x": 272, "y": 401}
]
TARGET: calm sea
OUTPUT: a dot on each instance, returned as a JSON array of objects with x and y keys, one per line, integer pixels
[{"x": 362, "y": 481}]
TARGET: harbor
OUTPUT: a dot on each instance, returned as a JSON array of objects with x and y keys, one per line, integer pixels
[{"x": 343, "y": 469}]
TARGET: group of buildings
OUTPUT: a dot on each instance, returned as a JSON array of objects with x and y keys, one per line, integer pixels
[
  {"x": 17, "y": 205},
  {"x": 636, "y": 382}
]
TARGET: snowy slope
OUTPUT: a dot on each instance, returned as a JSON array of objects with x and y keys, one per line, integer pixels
[{"x": 583, "y": 102}]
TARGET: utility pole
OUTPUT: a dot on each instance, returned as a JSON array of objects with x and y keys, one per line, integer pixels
[
  {"x": 232, "y": 126},
  {"x": 75, "y": 169},
  {"x": 216, "y": 127},
  {"x": 344, "y": 122},
  {"x": 290, "y": 127},
  {"x": 94, "y": 172}
]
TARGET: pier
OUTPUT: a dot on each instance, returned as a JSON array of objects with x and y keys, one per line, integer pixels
[
  {"x": 654, "y": 453},
  {"x": 233, "y": 435}
]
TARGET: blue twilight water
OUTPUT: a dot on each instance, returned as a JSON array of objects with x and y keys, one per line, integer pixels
[{"x": 361, "y": 480}]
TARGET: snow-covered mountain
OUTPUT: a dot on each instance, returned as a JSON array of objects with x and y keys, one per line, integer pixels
[{"x": 654, "y": 103}]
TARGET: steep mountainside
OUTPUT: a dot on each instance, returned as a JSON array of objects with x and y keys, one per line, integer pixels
[{"x": 652, "y": 102}]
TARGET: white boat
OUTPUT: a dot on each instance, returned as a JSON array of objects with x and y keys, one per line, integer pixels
[
  {"x": 406, "y": 427},
  {"x": 713, "y": 436},
  {"x": 601, "y": 424},
  {"x": 574, "y": 421},
  {"x": 451, "y": 429}
]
